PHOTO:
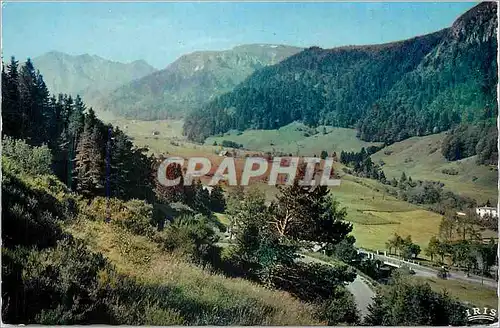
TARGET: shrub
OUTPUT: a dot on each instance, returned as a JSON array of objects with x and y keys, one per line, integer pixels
[
  {"x": 133, "y": 215},
  {"x": 404, "y": 303},
  {"x": 29, "y": 216},
  {"x": 193, "y": 237},
  {"x": 450, "y": 171},
  {"x": 231, "y": 144},
  {"x": 59, "y": 285},
  {"x": 313, "y": 282},
  {"x": 28, "y": 159},
  {"x": 339, "y": 309}
]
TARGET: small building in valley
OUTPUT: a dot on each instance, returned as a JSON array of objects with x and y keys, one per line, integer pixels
[{"x": 487, "y": 211}]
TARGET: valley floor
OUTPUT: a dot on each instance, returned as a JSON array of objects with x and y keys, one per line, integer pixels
[{"x": 376, "y": 216}]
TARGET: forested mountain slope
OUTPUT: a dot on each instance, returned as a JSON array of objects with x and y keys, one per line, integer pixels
[
  {"x": 192, "y": 80},
  {"x": 390, "y": 92}
]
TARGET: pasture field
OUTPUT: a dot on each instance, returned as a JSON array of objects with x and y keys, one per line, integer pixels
[
  {"x": 421, "y": 158},
  {"x": 297, "y": 139},
  {"x": 375, "y": 215}
]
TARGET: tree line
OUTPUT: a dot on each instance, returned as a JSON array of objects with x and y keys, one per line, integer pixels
[
  {"x": 468, "y": 140},
  {"x": 52, "y": 277},
  {"x": 89, "y": 156}
]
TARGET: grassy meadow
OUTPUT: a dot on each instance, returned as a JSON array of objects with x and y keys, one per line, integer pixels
[
  {"x": 297, "y": 139},
  {"x": 421, "y": 158},
  {"x": 471, "y": 293},
  {"x": 375, "y": 215}
]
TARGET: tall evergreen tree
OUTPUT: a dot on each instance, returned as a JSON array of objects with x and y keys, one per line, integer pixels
[
  {"x": 90, "y": 160},
  {"x": 11, "y": 109},
  {"x": 309, "y": 214}
]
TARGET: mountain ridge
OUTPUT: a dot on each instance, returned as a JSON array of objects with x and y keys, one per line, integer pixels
[
  {"x": 192, "y": 80},
  {"x": 90, "y": 76},
  {"x": 391, "y": 91}
]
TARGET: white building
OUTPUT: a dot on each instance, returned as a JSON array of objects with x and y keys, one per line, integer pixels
[{"x": 482, "y": 211}]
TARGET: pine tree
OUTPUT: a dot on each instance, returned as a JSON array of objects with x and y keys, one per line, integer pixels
[
  {"x": 308, "y": 213},
  {"x": 403, "y": 178},
  {"x": 42, "y": 118},
  {"x": 11, "y": 107},
  {"x": 382, "y": 177},
  {"x": 90, "y": 161},
  {"x": 376, "y": 312},
  {"x": 217, "y": 200},
  {"x": 27, "y": 80}
]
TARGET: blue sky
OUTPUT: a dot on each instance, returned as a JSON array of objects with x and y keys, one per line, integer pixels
[{"x": 161, "y": 32}]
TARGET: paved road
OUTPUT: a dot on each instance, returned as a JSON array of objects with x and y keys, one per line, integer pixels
[
  {"x": 424, "y": 271},
  {"x": 359, "y": 288}
]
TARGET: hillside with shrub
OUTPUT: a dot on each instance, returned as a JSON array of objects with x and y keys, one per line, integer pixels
[{"x": 92, "y": 237}]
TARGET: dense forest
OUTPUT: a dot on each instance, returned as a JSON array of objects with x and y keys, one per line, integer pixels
[
  {"x": 388, "y": 92},
  {"x": 78, "y": 141},
  {"x": 468, "y": 140}
]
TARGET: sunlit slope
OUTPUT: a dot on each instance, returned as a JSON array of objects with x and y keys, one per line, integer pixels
[
  {"x": 296, "y": 138},
  {"x": 421, "y": 158}
]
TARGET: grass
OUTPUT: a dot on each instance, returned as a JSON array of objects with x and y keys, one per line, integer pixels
[
  {"x": 141, "y": 259},
  {"x": 296, "y": 138},
  {"x": 420, "y": 224},
  {"x": 375, "y": 215},
  {"x": 472, "y": 293},
  {"x": 223, "y": 219},
  {"x": 421, "y": 158},
  {"x": 169, "y": 139}
]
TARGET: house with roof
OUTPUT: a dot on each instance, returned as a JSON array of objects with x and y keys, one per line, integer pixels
[{"x": 487, "y": 211}]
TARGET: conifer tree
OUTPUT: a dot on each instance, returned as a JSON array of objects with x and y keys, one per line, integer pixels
[
  {"x": 217, "y": 200},
  {"x": 90, "y": 161},
  {"x": 27, "y": 79},
  {"x": 11, "y": 111},
  {"x": 309, "y": 214}
]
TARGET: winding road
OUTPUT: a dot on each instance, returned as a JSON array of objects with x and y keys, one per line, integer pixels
[{"x": 359, "y": 288}]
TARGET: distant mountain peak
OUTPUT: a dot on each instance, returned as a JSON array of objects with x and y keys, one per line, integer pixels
[
  {"x": 88, "y": 75},
  {"x": 390, "y": 91},
  {"x": 192, "y": 80},
  {"x": 477, "y": 24}
]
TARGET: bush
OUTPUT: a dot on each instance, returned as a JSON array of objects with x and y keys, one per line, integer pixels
[
  {"x": 405, "y": 303},
  {"x": 28, "y": 159},
  {"x": 450, "y": 171},
  {"x": 193, "y": 237},
  {"x": 133, "y": 215},
  {"x": 313, "y": 282},
  {"x": 30, "y": 217},
  {"x": 59, "y": 285},
  {"x": 230, "y": 144},
  {"x": 339, "y": 309}
]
